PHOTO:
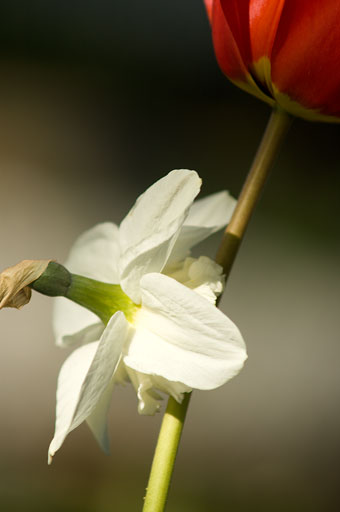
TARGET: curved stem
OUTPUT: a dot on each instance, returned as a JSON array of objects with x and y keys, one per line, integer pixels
[{"x": 174, "y": 416}]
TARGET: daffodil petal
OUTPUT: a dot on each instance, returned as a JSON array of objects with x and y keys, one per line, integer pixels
[
  {"x": 148, "y": 399},
  {"x": 202, "y": 275},
  {"x": 147, "y": 387},
  {"x": 213, "y": 211},
  {"x": 73, "y": 324},
  {"x": 149, "y": 232},
  {"x": 182, "y": 337},
  {"x": 206, "y": 216},
  {"x": 175, "y": 389},
  {"x": 95, "y": 254},
  {"x": 84, "y": 377},
  {"x": 97, "y": 421}
]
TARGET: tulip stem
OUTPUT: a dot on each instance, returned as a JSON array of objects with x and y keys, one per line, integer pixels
[
  {"x": 277, "y": 127},
  {"x": 173, "y": 420}
]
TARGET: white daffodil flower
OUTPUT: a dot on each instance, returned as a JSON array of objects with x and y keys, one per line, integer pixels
[{"x": 176, "y": 339}]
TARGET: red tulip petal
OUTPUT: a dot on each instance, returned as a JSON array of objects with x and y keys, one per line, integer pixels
[
  {"x": 236, "y": 14},
  {"x": 306, "y": 54},
  {"x": 253, "y": 24},
  {"x": 264, "y": 17},
  {"x": 229, "y": 56},
  {"x": 227, "y": 51},
  {"x": 209, "y": 8}
]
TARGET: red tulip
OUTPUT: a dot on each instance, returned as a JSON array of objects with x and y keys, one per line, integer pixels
[{"x": 283, "y": 51}]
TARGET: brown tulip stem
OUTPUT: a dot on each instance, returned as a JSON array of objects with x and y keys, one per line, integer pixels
[
  {"x": 174, "y": 416},
  {"x": 272, "y": 139}
]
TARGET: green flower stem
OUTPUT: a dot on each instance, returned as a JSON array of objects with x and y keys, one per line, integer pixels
[
  {"x": 174, "y": 416},
  {"x": 165, "y": 455}
]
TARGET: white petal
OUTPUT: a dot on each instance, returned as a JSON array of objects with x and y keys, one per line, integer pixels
[
  {"x": 95, "y": 254},
  {"x": 97, "y": 421},
  {"x": 147, "y": 387},
  {"x": 84, "y": 377},
  {"x": 213, "y": 211},
  {"x": 175, "y": 389},
  {"x": 182, "y": 337},
  {"x": 206, "y": 216},
  {"x": 148, "y": 399},
  {"x": 203, "y": 275},
  {"x": 149, "y": 231},
  {"x": 73, "y": 323}
]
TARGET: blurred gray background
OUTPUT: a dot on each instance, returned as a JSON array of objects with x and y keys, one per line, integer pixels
[{"x": 97, "y": 101}]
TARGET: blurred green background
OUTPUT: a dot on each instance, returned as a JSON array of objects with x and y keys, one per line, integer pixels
[{"x": 97, "y": 101}]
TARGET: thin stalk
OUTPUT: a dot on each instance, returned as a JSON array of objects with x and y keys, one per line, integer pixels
[
  {"x": 174, "y": 416},
  {"x": 277, "y": 127},
  {"x": 165, "y": 455}
]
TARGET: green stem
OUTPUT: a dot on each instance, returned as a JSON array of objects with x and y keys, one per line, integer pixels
[
  {"x": 174, "y": 416},
  {"x": 165, "y": 455}
]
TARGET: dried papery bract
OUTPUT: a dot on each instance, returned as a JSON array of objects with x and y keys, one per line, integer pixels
[{"x": 15, "y": 281}]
